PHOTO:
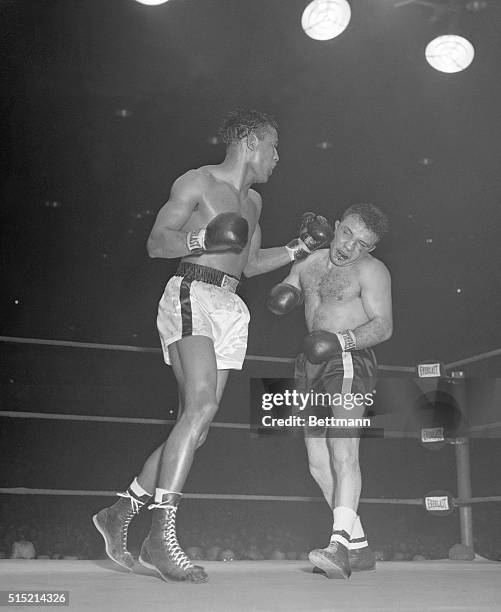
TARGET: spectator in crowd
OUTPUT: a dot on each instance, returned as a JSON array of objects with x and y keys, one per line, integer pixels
[{"x": 22, "y": 548}]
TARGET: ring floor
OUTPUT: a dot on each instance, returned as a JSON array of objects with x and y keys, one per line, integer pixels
[{"x": 266, "y": 586}]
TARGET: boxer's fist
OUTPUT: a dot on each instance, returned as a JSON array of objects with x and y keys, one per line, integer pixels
[
  {"x": 284, "y": 298},
  {"x": 315, "y": 232},
  {"x": 321, "y": 346},
  {"x": 227, "y": 231}
]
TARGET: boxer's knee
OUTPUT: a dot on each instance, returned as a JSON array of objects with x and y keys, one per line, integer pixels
[
  {"x": 197, "y": 418},
  {"x": 320, "y": 472},
  {"x": 202, "y": 437},
  {"x": 318, "y": 460},
  {"x": 345, "y": 455}
]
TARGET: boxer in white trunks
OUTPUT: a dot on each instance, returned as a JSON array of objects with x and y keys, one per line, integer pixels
[{"x": 211, "y": 222}]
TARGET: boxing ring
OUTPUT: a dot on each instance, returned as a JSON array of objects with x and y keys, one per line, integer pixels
[{"x": 99, "y": 431}]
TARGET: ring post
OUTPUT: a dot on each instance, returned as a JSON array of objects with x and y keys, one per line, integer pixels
[{"x": 462, "y": 447}]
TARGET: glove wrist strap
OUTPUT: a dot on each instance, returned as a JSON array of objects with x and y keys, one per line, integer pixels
[
  {"x": 297, "y": 249},
  {"x": 347, "y": 340},
  {"x": 195, "y": 240}
]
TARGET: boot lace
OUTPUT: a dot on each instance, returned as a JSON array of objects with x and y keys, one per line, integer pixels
[
  {"x": 176, "y": 553},
  {"x": 135, "y": 506}
]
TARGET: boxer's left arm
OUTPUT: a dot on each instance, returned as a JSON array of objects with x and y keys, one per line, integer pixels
[
  {"x": 375, "y": 288},
  {"x": 263, "y": 260}
]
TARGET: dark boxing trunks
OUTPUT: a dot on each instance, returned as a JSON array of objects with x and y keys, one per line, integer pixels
[{"x": 349, "y": 376}]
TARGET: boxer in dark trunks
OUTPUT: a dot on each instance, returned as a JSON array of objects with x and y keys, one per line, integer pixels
[
  {"x": 211, "y": 221},
  {"x": 348, "y": 310}
]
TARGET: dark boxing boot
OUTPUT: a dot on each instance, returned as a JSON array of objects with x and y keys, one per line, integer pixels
[
  {"x": 333, "y": 560},
  {"x": 161, "y": 551},
  {"x": 113, "y": 523}
]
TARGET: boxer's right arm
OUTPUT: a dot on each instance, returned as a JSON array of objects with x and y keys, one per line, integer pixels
[{"x": 166, "y": 239}]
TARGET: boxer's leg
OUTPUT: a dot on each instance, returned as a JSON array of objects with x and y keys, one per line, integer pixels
[
  {"x": 113, "y": 522},
  {"x": 319, "y": 463},
  {"x": 346, "y": 466},
  {"x": 149, "y": 474},
  {"x": 198, "y": 388},
  {"x": 336, "y": 377},
  {"x": 334, "y": 560},
  {"x": 161, "y": 550}
]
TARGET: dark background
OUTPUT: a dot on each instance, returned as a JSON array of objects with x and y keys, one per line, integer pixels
[
  {"x": 105, "y": 103},
  {"x": 423, "y": 145}
]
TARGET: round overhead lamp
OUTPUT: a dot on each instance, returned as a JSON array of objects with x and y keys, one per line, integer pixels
[
  {"x": 152, "y": 2},
  {"x": 326, "y": 19},
  {"x": 449, "y": 53}
]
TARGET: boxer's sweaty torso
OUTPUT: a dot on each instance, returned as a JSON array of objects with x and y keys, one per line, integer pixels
[
  {"x": 219, "y": 197},
  {"x": 332, "y": 293}
]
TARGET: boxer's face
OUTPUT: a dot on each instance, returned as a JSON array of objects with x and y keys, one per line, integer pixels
[
  {"x": 264, "y": 155},
  {"x": 352, "y": 240}
]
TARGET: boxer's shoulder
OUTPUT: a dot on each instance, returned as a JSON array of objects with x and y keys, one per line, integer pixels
[
  {"x": 311, "y": 266},
  {"x": 316, "y": 259},
  {"x": 254, "y": 198},
  {"x": 369, "y": 268},
  {"x": 196, "y": 179}
]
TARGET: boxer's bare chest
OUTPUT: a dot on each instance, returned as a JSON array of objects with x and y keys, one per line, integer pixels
[
  {"x": 324, "y": 284},
  {"x": 220, "y": 197}
]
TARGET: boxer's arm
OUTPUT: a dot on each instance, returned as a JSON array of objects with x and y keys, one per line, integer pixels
[
  {"x": 166, "y": 239},
  {"x": 261, "y": 260},
  {"x": 264, "y": 260},
  {"x": 375, "y": 284}
]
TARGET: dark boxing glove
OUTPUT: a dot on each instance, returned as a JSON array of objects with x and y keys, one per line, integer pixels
[
  {"x": 315, "y": 232},
  {"x": 321, "y": 345},
  {"x": 227, "y": 231},
  {"x": 284, "y": 298}
]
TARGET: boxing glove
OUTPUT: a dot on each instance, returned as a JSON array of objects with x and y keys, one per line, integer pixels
[
  {"x": 284, "y": 298},
  {"x": 315, "y": 232},
  {"x": 226, "y": 231},
  {"x": 321, "y": 345}
]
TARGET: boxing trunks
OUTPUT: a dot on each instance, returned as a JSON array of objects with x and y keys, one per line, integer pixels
[
  {"x": 202, "y": 301},
  {"x": 345, "y": 375}
]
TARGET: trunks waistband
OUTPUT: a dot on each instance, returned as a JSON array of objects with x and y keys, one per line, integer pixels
[{"x": 208, "y": 275}]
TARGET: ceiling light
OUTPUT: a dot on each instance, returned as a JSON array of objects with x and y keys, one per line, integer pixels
[
  {"x": 449, "y": 53},
  {"x": 152, "y": 2},
  {"x": 326, "y": 19}
]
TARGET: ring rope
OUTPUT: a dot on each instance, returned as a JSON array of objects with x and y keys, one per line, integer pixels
[
  {"x": 139, "y": 349},
  {"x": 83, "y": 417},
  {"x": 474, "y": 358},
  {"x": 13, "y": 414},
  {"x": 293, "y": 498}
]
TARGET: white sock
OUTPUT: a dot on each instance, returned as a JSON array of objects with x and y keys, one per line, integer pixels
[
  {"x": 344, "y": 518},
  {"x": 137, "y": 489},
  {"x": 159, "y": 494},
  {"x": 358, "y": 538}
]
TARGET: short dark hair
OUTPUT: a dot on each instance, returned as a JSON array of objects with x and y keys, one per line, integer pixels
[
  {"x": 240, "y": 122},
  {"x": 372, "y": 217}
]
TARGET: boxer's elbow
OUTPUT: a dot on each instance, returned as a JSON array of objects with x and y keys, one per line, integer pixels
[
  {"x": 249, "y": 272},
  {"x": 387, "y": 330},
  {"x": 158, "y": 246},
  {"x": 251, "y": 269},
  {"x": 152, "y": 248}
]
